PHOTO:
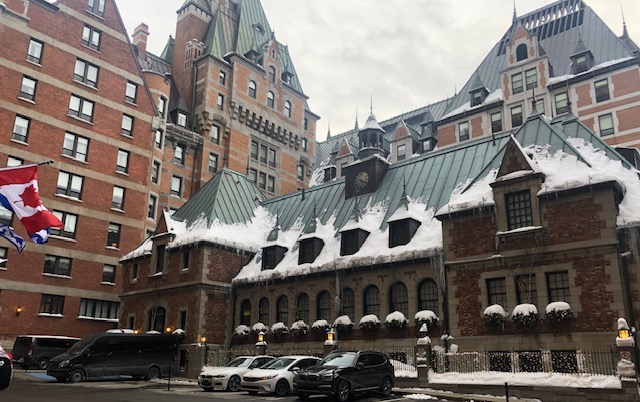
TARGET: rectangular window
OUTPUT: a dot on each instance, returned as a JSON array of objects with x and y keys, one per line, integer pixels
[
  {"x": 254, "y": 150},
  {"x": 4, "y": 252},
  {"x": 113, "y": 235},
  {"x": 56, "y": 265},
  {"x": 117, "y": 198},
  {"x": 12, "y": 161},
  {"x": 263, "y": 154},
  {"x": 162, "y": 105},
  {"x": 527, "y": 290},
  {"x": 70, "y": 185},
  {"x": 558, "y": 286},
  {"x": 602, "y": 90},
  {"x": 463, "y": 131},
  {"x": 271, "y": 184},
  {"x": 100, "y": 309},
  {"x": 96, "y": 7},
  {"x": 496, "y": 122},
  {"x": 131, "y": 92},
  {"x": 183, "y": 319},
  {"x": 605, "y": 122},
  {"x": 155, "y": 172},
  {"x": 86, "y": 73},
  {"x": 75, "y": 146},
  {"x": 176, "y": 186},
  {"x": 253, "y": 175},
  {"x": 91, "y": 37},
  {"x": 306, "y": 123},
  {"x": 134, "y": 272},
  {"x": 178, "y": 155},
  {"x": 158, "y": 139},
  {"x": 497, "y": 292},
  {"x": 213, "y": 163},
  {"x": 185, "y": 260},
  {"x": 519, "y": 213},
  {"x": 69, "y": 224},
  {"x": 220, "y": 102},
  {"x": 402, "y": 152},
  {"x": 516, "y": 83},
  {"x": 126, "y": 128},
  {"x": 262, "y": 180},
  {"x": 271, "y": 157},
  {"x": 305, "y": 144},
  {"x": 531, "y": 78},
  {"x": 20, "y": 128},
  {"x": 160, "y": 258},
  {"x": 182, "y": 119},
  {"x": 581, "y": 64},
  {"x": 516, "y": 116},
  {"x": 214, "y": 134},
  {"x": 81, "y": 108},
  {"x": 222, "y": 78},
  {"x": 122, "y": 163},
  {"x": 301, "y": 172},
  {"x": 34, "y": 53},
  {"x": 28, "y": 88},
  {"x": 151, "y": 210},
  {"x": 562, "y": 103},
  {"x": 108, "y": 273},
  {"x": 51, "y": 304}
]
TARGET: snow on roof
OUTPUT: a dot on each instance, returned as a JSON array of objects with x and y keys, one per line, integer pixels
[
  {"x": 566, "y": 77},
  {"x": 492, "y": 97}
]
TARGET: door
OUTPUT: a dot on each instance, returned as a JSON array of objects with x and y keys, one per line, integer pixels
[
  {"x": 93, "y": 360},
  {"x": 119, "y": 358}
]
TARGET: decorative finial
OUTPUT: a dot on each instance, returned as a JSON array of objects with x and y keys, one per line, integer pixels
[
  {"x": 371, "y": 108},
  {"x": 356, "y": 126},
  {"x": 625, "y": 34},
  {"x": 515, "y": 13}
]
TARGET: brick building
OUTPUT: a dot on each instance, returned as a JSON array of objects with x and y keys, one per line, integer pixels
[{"x": 72, "y": 92}]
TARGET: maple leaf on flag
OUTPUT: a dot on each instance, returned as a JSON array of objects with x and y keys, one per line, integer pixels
[{"x": 30, "y": 197}]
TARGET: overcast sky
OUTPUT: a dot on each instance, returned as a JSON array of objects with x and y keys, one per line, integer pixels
[{"x": 404, "y": 54}]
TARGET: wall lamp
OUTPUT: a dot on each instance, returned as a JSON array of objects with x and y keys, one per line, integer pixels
[{"x": 18, "y": 311}]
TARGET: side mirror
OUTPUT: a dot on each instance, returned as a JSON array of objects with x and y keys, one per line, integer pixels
[{"x": 295, "y": 368}]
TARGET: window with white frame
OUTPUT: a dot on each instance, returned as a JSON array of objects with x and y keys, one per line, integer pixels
[
  {"x": 86, "y": 73},
  {"x": 605, "y": 123},
  {"x": 252, "y": 89},
  {"x": 69, "y": 224},
  {"x": 126, "y": 128},
  {"x": 108, "y": 273},
  {"x": 182, "y": 119},
  {"x": 214, "y": 134},
  {"x": 81, "y": 108},
  {"x": 401, "y": 152},
  {"x": 562, "y": 103},
  {"x": 51, "y": 304},
  {"x": 155, "y": 172},
  {"x": 91, "y": 37},
  {"x": 158, "y": 139},
  {"x": 463, "y": 131},
  {"x": 516, "y": 83},
  {"x": 57, "y": 265},
  {"x": 270, "y": 99},
  {"x": 151, "y": 210},
  {"x": 178, "y": 154},
  {"x": 131, "y": 92},
  {"x": 34, "y": 51},
  {"x": 496, "y": 122},
  {"x": 122, "y": 163},
  {"x": 602, "y": 90},
  {"x": 69, "y": 184},
  {"x": 113, "y": 235},
  {"x": 12, "y": 161},
  {"x": 220, "y": 102},
  {"x": 213, "y": 162},
  {"x": 516, "y": 116},
  {"x": 287, "y": 109},
  {"x": 21, "y": 128},
  {"x": 75, "y": 146},
  {"x": 96, "y": 7},
  {"x": 99, "y": 309},
  {"x": 162, "y": 106},
  {"x": 28, "y": 88},
  {"x": 176, "y": 186},
  {"x": 117, "y": 198},
  {"x": 531, "y": 78},
  {"x": 222, "y": 78},
  {"x": 305, "y": 144}
]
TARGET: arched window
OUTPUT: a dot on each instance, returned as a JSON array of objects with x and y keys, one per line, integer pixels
[
  {"x": 252, "y": 89},
  {"x": 303, "y": 307},
  {"x": 348, "y": 303},
  {"x": 282, "y": 310},
  {"x": 263, "y": 311},
  {"x": 287, "y": 108},
  {"x": 245, "y": 313},
  {"x": 272, "y": 74},
  {"x": 270, "y": 99},
  {"x": 157, "y": 317},
  {"x": 521, "y": 52},
  {"x": 372, "y": 301},
  {"x": 324, "y": 306},
  {"x": 399, "y": 299},
  {"x": 428, "y": 296}
]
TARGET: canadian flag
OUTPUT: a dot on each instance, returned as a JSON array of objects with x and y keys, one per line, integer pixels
[{"x": 19, "y": 194}]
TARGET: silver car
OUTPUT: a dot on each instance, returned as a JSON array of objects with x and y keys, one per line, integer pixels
[{"x": 228, "y": 377}]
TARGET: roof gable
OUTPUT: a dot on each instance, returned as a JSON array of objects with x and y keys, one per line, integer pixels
[{"x": 514, "y": 160}]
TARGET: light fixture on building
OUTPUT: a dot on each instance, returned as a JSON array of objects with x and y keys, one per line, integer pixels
[
  {"x": 18, "y": 311},
  {"x": 261, "y": 336},
  {"x": 203, "y": 339},
  {"x": 623, "y": 329},
  {"x": 331, "y": 335},
  {"x": 168, "y": 329}
]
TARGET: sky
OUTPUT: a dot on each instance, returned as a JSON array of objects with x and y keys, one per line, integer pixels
[{"x": 398, "y": 55}]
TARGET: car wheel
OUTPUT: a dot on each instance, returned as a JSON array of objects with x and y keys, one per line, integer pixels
[
  {"x": 282, "y": 388},
  {"x": 234, "y": 384},
  {"x": 207, "y": 389},
  {"x": 303, "y": 396},
  {"x": 253, "y": 392},
  {"x": 343, "y": 391},
  {"x": 43, "y": 363},
  {"x": 77, "y": 375},
  {"x": 385, "y": 388},
  {"x": 153, "y": 373}
]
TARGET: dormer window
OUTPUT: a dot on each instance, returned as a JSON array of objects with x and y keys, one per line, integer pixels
[
  {"x": 519, "y": 212},
  {"x": 581, "y": 64},
  {"x": 271, "y": 256},
  {"x": 352, "y": 240},
  {"x": 476, "y": 98},
  {"x": 521, "y": 52},
  {"x": 329, "y": 174},
  {"x": 309, "y": 250},
  {"x": 401, "y": 232},
  {"x": 402, "y": 152}
]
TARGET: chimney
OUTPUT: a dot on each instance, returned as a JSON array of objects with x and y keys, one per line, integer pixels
[{"x": 140, "y": 35}]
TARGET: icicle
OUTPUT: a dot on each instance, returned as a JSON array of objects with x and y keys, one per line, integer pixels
[{"x": 633, "y": 239}]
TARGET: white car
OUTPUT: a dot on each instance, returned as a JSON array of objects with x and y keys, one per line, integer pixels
[
  {"x": 228, "y": 377},
  {"x": 276, "y": 377},
  {"x": 6, "y": 369}
]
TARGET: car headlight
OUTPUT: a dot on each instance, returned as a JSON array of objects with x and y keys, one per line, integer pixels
[
  {"x": 64, "y": 363},
  {"x": 327, "y": 376},
  {"x": 268, "y": 377},
  {"x": 219, "y": 376}
]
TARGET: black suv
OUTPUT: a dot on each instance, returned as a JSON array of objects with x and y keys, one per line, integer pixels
[{"x": 344, "y": 373}]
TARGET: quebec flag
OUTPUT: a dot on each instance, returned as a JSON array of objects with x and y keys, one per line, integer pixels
[{"x": 19, "y": 194}]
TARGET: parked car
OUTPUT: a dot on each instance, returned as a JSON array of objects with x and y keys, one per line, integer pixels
[
  {"x": 228, "y": 377},
  {"x": 6, "y": 369},
  {"x": 38, "y": 350},
  {"x": 344, "y": 373},
  {"x": 276, "y": 377}
]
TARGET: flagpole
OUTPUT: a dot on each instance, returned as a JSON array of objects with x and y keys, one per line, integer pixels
[{"x": 49, "y": 162}]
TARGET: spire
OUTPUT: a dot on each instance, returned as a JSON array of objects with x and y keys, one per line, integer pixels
[
  {"x": 329, "y": 128},
  {"x": 356, "y": 126},
  {"x": 371, "y": 108},
  {"x": 625, "y": 34},
  {"x": 515, "y": 13}
]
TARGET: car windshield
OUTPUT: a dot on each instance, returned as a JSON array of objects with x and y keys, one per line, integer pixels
[
  {"x": 240, "y": 362},
  {"x": 81, "y": 345},
  {"x": 339, "y": 359},
  {"x": 280, "y": 363}
]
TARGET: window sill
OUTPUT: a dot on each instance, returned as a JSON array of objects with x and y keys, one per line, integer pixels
[
  {"x": 128, "y": 102},
  {"x": 19, "y": 142},
  {"x": 134, "y": 280},
  {"x": 3, "y": 268},
  {"x": 84, "y": 84},
  {"x": 112, "y": 248},
  {"x": 108, "y": 283},
  {"x": 122, "y": 173},
  {"x": 157, "y": 274},
  {"x": 33, "y": 62},
  {"x": 79, "y": 119},
  {"x": 175, "y": 196},
  {"x": 184, "y": 270},
  {"x": 56, "y": 276},
  {"x": 66, "y": 197},
  {"x": 50, "y": 315},
  {"x": 130, "y": 136},
  {"x": 62, "y": 238},
  {"x": 74, "y": 159},
  {"x": 90, "y": 48},
  {"x": 118, "y": 210},
  {"x": 27, "y": 100},
  {"x": 84, "y": 317}
]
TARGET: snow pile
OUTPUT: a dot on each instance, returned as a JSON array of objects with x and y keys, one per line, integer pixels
[
  {"x": 241, "y": 330},
  {"x": 525, "y": 309},
  {"x": 537, "y": 379},
  {"x": 259, "y": 327},
  {"x": 320, "y": 324},
  {"x": 557, "y": 306},
  {"x": 396, "y": 320}
]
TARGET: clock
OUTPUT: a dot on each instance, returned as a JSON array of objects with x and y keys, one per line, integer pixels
[{"x": 361, "y": 181}]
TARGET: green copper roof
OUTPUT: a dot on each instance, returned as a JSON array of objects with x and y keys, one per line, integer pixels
[{"x": 229, "y": 197}]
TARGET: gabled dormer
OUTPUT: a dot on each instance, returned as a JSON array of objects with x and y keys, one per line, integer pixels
[
  {"x": 352, "y": 234},
  {"x": 404, "y": 142},
  {"x": 478, "y": 92},
  {"x": 522, "y": 47},
  {"x": 310, "y": 245},
  {"x": 581, "y": 59},
  {"x": 274, "y": 250},
  {"x": 346, "y": 154},
  {"x": 402, "y": 226}
]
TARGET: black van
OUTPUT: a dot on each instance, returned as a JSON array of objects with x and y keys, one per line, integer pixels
[
  {"x": 36, "y": 350},
  {"x": 106, "y": 354}
]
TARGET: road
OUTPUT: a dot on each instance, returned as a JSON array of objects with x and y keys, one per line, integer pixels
[{"x": 35, "y": 386}]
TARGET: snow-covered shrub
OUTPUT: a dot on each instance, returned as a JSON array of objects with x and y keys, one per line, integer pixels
[
  {"x": 525, "y": 315},
  {"x": 369, "y": 321},
  {"x": 343, "y": 323},
  {"x": 241, "y": 331},
  {"x": 279, "y": 329},
  {"x": 179, "y": 333},
  {"x": 259, "y": 327},
  {"x": 494, "y": 315},
  {"x": 426, "y": 317},
  {"x": 395, "y": 320},
  {"x": 320, "y": 326},
  {"x": 299, "y": 328},
  {"x": 558, "y": 312}
]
